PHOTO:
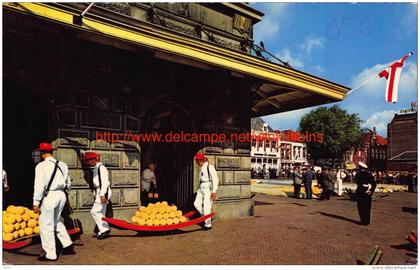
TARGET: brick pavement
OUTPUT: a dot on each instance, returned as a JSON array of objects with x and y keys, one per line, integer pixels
[{"x": 283, "y": 231}]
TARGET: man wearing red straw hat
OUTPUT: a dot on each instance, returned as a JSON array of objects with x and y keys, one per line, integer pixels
[
  {"x": 101, "y": 192},
  {"x": 206, "y": 192},
  {"x": 51, "y": 183}
]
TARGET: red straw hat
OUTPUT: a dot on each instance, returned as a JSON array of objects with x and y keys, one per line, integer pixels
[
  {"x": 90, "y": 155},
  {"x": 200, "y": 156},
  {"x": 45, "y": 147}
]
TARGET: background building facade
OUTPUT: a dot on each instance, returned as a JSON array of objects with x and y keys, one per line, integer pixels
[
  {"x": 265, "y": 154},
  {"x": 373, "y": 153},
  {"x": 402, "y": 142},
  {"x": 275, "y": 151}
]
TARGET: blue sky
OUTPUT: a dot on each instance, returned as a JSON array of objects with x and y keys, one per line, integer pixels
[{"x": 345, "y": 43}]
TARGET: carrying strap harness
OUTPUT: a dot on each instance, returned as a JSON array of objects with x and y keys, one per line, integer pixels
[
  {"x": 51, "y": 179},
  {"x": 209, "y": 175},
  {"x": 58, "y": 166},
  {"x": 47, "y": 190},
  {"x": 100, "y": 181}
]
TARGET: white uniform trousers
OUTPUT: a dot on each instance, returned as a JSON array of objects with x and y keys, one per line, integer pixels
[
  {"x": 49, "y": 223},
  {"x": 338, "y": 186},
  {"x": 203, "y": 201},
  {"x": 98, "y": 211}
]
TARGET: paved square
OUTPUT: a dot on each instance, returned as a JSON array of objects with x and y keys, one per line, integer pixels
[{"x": 283, "y": 231}]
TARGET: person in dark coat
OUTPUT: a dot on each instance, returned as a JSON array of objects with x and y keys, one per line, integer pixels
[
  {"x": 321, "y": 182},
  {"x": 307, "y": 181},
  {"x": 297, "y": 182},
  {"x": 329, "y": 180},
  {"x": 365, "y": 187},
  {"x": 409, "y": 181},
  {"x": 326, "y": 181}
]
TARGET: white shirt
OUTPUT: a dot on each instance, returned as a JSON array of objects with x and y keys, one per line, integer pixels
[
  {"x": 149, "y": 176},
  {"x": 5, "y": 183},
  {"x": 104, "y": 179},
  {"x": 341, "y": 175},
  {"x": 43, "y": 173},
  {"x": 205, "y": 178}
]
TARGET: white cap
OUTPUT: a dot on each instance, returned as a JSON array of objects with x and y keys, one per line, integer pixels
[{"x": 363, "y": 165}]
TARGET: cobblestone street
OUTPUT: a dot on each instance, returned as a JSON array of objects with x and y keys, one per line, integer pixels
[{"x": 283, "y": 231}]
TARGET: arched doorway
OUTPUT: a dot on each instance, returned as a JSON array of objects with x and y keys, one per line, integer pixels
[
  {"x": 25, "y": 125},
  {"x": 174, "y": 160}
]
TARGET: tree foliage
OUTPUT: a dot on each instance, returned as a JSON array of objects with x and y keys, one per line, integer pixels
[{"x": 341, "y": 132}]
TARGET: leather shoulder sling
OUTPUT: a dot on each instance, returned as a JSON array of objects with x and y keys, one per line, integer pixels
[
  {"x": 50, "y": 182},
  {"x": 58, "y": 167},
  {"x": 208, "y": 174},
  {"x": 100, "y": 181}
]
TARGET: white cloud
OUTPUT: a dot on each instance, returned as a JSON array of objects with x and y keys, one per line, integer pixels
[
  {"x": 274, "y": 8},
  {"x": 269, "y": 28},
  {"x": 286, "y": 120},
  {"x": 266, "y": 29},
  {"x": 375, "y": 87},
  {"x": 302, "y": 51},
  {"x": 312, "y": 42},
  {"x": 319, "y": 69},
  {"x": 380, "y": 120},
  {"x": 276, "y": 19},
  {"x": 286, "y": 55},
  {"x": 408, "y": 21}
]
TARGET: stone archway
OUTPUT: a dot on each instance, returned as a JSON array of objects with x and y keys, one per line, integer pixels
[{"x": 174, "y": 160}]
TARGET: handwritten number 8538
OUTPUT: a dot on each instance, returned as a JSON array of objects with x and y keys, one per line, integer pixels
[{"x": 350, "y": 26}]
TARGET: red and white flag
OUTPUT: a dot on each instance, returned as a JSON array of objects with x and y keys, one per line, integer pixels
[{"x": 392, "y": 75}]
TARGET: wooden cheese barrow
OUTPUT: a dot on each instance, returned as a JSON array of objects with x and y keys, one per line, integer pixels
[
  {"x": 26, "y": 240},
  {"x": 124, "y": 225}
]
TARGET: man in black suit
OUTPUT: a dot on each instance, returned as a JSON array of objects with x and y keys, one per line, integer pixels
[
  {"x": 307, "y": 181},
  {"x": 365, "y": 187}
]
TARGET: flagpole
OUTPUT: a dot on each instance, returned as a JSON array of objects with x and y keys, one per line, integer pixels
[
  {"x": 360, "y": 85},
  {"x": 376, "y": 75}
]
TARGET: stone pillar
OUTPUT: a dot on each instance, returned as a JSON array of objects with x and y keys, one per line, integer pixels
[{"x": 88, "y": 105}]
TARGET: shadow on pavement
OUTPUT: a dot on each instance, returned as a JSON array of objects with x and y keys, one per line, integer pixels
[
  {"x": 413, "y": 255},
  {"x": 149, "y": 234},
  {"x": 412, "y": 210},
  {"x": 339, "y": 217},
  {"x": 19, "y": 252},
  {"x": 406, "y": 246},
  {"x": 359, "y": 262},
  {"x": 263, "y": 203},
  {"x": 300, "y": 204}
]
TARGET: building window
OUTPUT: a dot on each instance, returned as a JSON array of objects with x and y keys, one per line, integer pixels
[{"x": 260, "y": 144}]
